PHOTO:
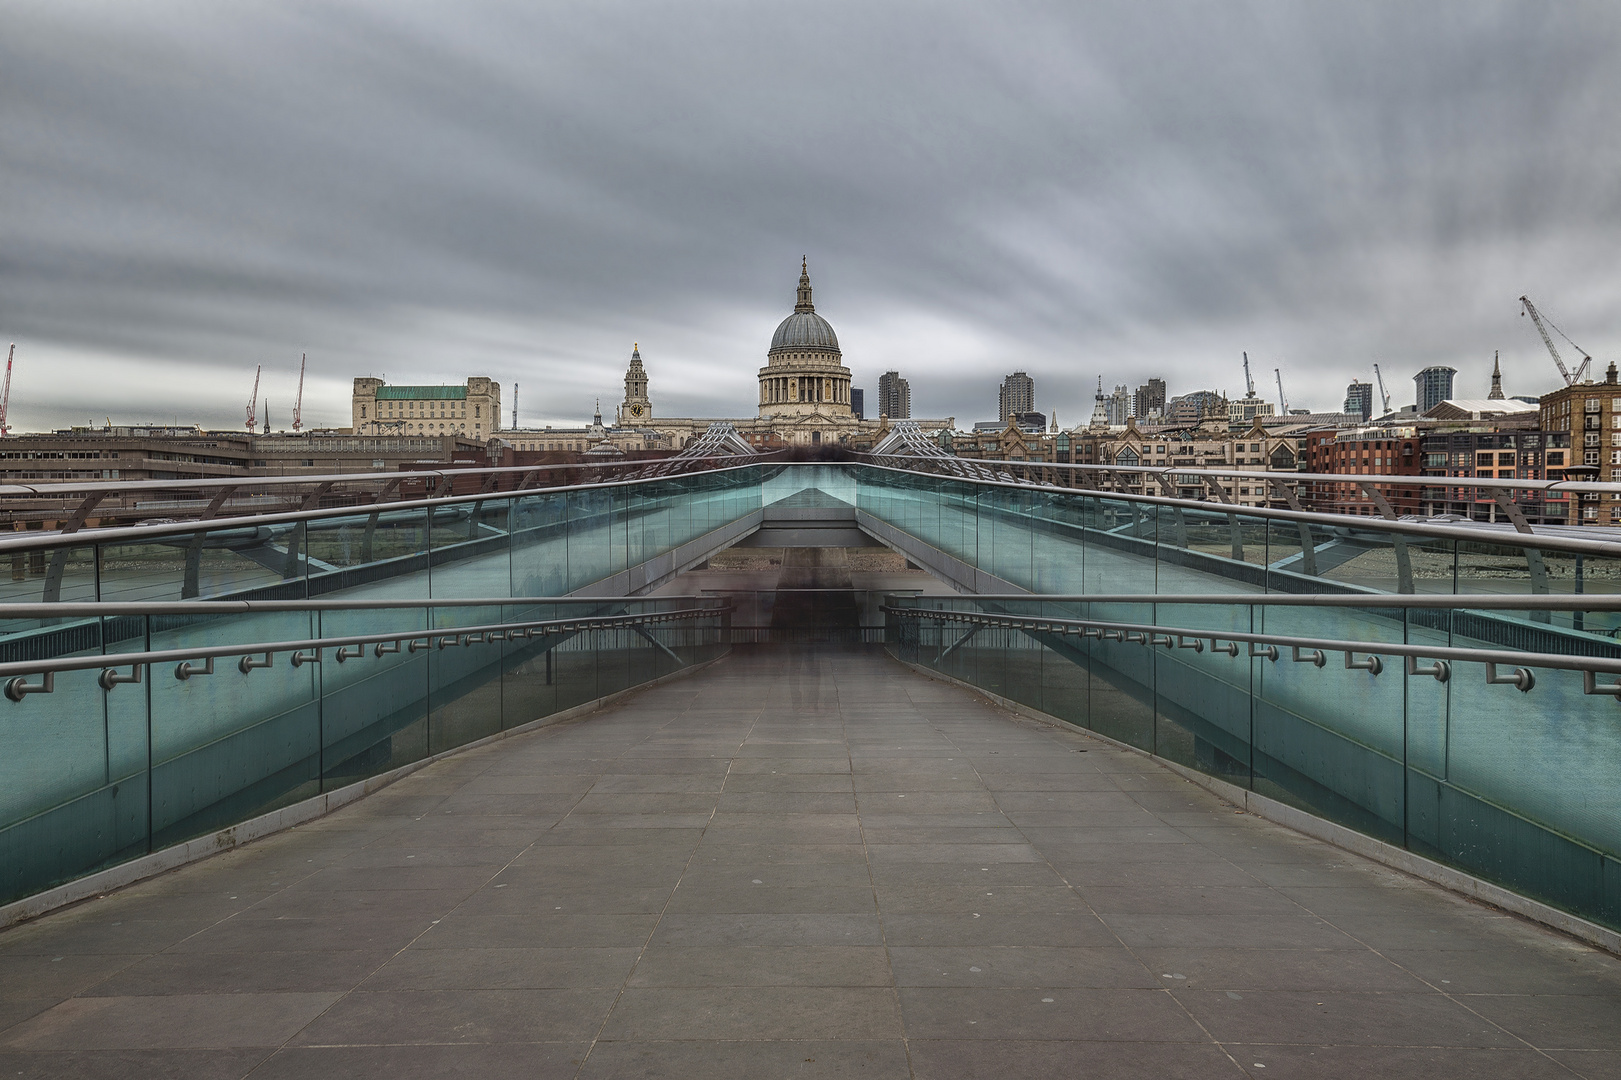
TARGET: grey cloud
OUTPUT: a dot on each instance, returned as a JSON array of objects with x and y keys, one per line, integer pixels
[{"x": 1111, "y": 189}]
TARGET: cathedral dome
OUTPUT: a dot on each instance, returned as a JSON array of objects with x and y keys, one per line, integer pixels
[{"x": 804, "y": 329}]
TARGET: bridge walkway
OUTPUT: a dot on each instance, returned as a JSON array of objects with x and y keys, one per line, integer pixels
[{"x": 807, "y": 863}]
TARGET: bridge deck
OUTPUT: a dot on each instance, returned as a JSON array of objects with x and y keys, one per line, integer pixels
[{"x": 797, "y": 863}]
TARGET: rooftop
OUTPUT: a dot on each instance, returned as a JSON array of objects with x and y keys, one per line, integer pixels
[
  {"x": 1477, "y": 408},
  {"x": 437, "y": 393}
]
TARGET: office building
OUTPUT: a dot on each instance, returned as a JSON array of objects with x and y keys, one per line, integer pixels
[
  {"x": 472, "y": 410},
  {"x": 1359, "y": 400},
  {"x": 1118, "y": 406},
  {"x": 1199, "y": 405},
  {"x": 1017, "y": 395},
  {"x": 894, "y": 396},
  {"x": 1433, "y": 386},
  {"x": 1149, "y": 399}
]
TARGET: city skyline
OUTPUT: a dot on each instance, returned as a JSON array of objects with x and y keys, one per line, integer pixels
[{"x": 1320, "y": 189}]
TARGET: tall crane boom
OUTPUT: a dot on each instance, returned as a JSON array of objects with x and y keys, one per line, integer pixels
[
  {"x": 298, "y": 402},
  {"x": 253, "y": 400},
  {"x": 1581, "y": 370},
  {"x": 1283, "y": 400},
  {"x": 1249, "y": 383},
  {"x": 5, "y": 393},
  {"x": 1384, "y": 395}
]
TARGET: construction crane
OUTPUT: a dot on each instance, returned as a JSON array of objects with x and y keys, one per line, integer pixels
[
  {"x": 298, "y": 402},
  {"x": 1384, "y": 394},
  {"x": 1581, "y": 370},
  {"x": 1249, "y": 383},
  {"x": 253, "y": 401},
  {"x": 5, "y": 393},
  {"x": 1283, "y": 400},
  {"x": 514, "y": 406}
]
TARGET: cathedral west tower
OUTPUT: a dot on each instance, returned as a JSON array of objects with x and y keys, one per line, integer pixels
[
  {"x": 636, "y": 408},
  {"x": 805, "y": 377}
]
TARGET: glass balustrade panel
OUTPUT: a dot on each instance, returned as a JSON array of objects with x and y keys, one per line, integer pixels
[
  {"x": 230, "y": 745},
  {"x": 1330, "y": 738},
  {"x": 72, "y": 780},
  {"x": 540, "y": 548},
  {"x": 380, "y": 555},
  {"x": 1202, "y": 688},
  {"x": 1527, "y": 797},
  {"x": 464, "y": 676},
  {"x": 471, "y": 553},
  {"x": 374, "y": 702}
]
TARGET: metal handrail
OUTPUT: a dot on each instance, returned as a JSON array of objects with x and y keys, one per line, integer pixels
[
  {"x": 1151, "y": 634},
  {"x": 1464, "y": 601},
  {"x": 309, "y": 650},
  {"x": 1157, "y": 471},
  {"x": 94, "y": 608},
  {"x": 1540, "y": 541},
  {"x": 83, "y": 487},
  {"x": 27, "y": 541}
]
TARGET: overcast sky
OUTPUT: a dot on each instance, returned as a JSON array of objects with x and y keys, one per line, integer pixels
[{"x": 425, "y": 191}]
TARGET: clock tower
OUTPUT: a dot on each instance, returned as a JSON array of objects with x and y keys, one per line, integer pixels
[{"x": 635, "y": 409}]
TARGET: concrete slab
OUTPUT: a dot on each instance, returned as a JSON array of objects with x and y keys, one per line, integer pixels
[{"x": 798, "y": 862}]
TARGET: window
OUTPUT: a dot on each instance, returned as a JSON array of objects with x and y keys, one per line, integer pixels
[
  {"x": 1483, "y": 459},
  {"x": 1506, "y": 459},
  {"x": 1591, "y": 439},
  {"x": 1589, "y": 457},
  {"x": 1592, "y": 404},
  {"x": 1556, "y": 458}
]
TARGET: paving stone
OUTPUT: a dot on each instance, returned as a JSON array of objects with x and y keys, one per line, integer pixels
[
  {"x": 533, "y": 1060},
  {"x": 1338, "y": 1016},
  {"x": 746, "y": 1060},
  {"x": 172, "y": 1021},
  {"x": 504, "y": 968},
  {"x": 212, "y": 1064},
  {"x": 754, "y": 1013},
  {"x": 950, "y": 1059}
]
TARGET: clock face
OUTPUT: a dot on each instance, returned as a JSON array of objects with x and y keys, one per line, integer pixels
[{"x": 635, "y": 410}]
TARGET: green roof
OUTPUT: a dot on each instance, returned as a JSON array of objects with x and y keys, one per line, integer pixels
[{"x": 439, "y": 393}]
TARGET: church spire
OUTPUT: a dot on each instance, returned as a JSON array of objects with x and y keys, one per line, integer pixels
[
  {"x": 1497, "y": 380},
  {"x": 804, "y": 303}
]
